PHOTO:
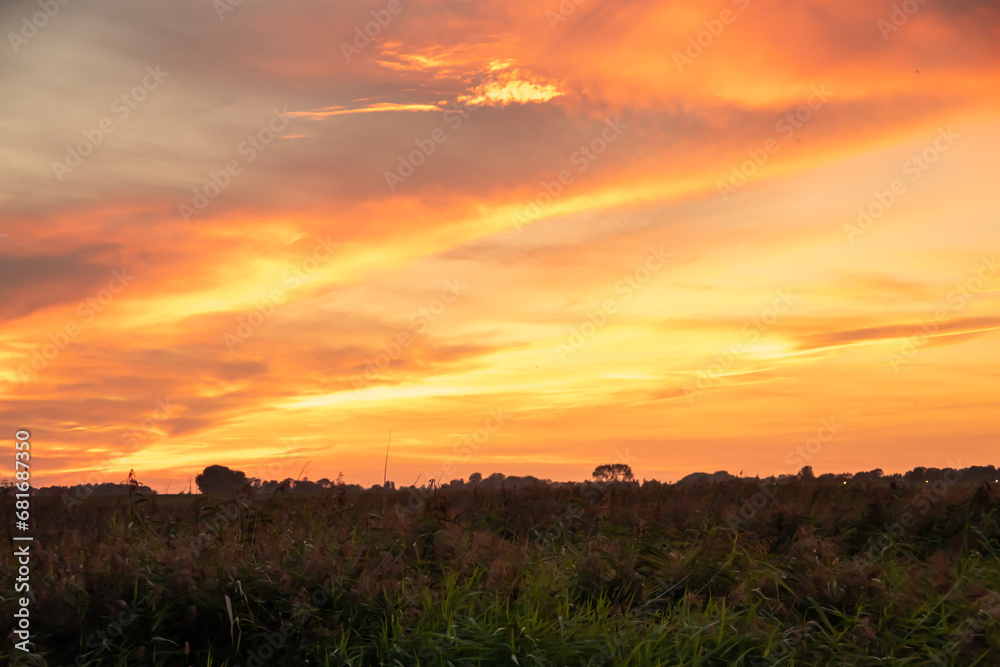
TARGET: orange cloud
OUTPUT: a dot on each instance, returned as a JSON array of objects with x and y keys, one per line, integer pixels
[{"x": 308, "y": 303}]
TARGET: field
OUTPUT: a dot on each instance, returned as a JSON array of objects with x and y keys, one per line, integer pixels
[{"x": 745, "y": 572}]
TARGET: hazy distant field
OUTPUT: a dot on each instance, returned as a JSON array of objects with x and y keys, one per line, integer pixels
[{"x": 589, "y": 574}]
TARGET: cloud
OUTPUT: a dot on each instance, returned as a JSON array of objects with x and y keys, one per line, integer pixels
[
  {"x": 505, "y": 84},
  {"x": 535, "y": 96},
  {"x": 965, "y": 326},
  {"x": 32, "y": 282},
  {"x": 374, "y": 108},
  {"x": 500, "y": 84}
]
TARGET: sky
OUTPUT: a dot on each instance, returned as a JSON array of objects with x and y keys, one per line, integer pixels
[{"x": 427, "y": 238}]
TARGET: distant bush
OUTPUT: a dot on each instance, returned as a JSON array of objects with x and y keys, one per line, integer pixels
[
  {"x": 221, "y": 481},
  {"x": 613, "y": 472}
]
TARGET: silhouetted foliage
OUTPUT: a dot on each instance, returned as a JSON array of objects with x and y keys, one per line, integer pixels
[
  {"x": 613, "y": 472},
  {"x": 221, "y": 481},
  {"x": 781, "y": 570}
]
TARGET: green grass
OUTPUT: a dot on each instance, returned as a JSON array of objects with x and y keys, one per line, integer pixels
[{"x": 533, "y": 576}]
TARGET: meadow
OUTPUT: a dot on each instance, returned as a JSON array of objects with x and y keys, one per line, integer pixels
[{"x": 745, "y": 572}]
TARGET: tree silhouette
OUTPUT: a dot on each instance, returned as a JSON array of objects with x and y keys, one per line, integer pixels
[
  {"x": 613, "y": 472},
  {"x": 221, "y": 481}
]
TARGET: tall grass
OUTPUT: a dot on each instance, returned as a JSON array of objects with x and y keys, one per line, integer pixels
[{"x": 538, "y": 575}]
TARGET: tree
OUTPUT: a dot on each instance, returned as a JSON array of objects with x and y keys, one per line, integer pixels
[
  {"x": 475, "y": 478},
  {"x": 807, "y": 473},
  {"x": 870, "y": 476},
  {"x": 613, "y": 472},
  {"x": 221, "y": 481},
  {"x": 307, "y": 486}
]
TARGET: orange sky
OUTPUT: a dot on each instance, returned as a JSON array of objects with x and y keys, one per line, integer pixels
[{"x": 526, "y": 237}]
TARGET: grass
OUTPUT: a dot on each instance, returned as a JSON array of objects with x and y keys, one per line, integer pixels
[{"x": 613, "y": 574}]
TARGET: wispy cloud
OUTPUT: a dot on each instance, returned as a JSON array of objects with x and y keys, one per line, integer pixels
[{"x": 380, "y": 107}]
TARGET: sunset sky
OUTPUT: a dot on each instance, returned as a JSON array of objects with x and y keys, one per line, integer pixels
[{"x": 526, "y": 237}]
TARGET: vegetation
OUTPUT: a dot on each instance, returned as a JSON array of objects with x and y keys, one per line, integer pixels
[
  {"x": 794, "y": 571},
  {"x": 220, "y": 480},
  {"x": 613, "y": 472}
]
